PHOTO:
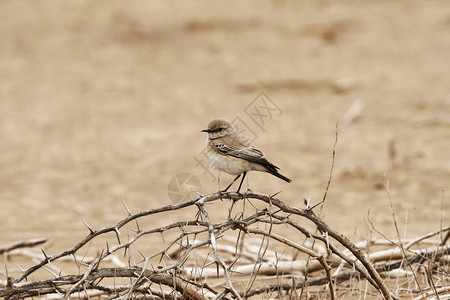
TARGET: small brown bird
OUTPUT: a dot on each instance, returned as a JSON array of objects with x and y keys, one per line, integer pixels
[{"x": 230, "y": 152}]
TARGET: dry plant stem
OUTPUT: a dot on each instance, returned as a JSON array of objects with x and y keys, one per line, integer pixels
[
  {"x": 201, "y": 205},
  {"x": 49, "y": 286},
  {"x": 436, "y": 292},
  {"x": 357, "y": 265},
  {"x": 428, "y": 235},
  {"x": 310, "y": 215},
  {"x": 319, "y": 257},
  {"x": 396, "y": 253},
  {"x": 141, "y": 279},
  {"x": 141, "y": 233},
  {"x": 113, "y": 228},
  {"x": 331, "y": 171},
  {"x": 77, "y": 284},
  {"x": 261, "y": 252},
  {"x": 136, "y": 282},
  {"x": 400, "y": 243},
  {"x": 435, "y": 254},
  {"x": 264, "y": 268},
  {"x": 447, "y": 236},
  {"x": 213, "y": 229},
  {"x": 221, "y": 226},
  {"x": 22, "y": 244},
  {"x": 284, "y": 241},
  {"x": 344, "y": 276},
  {"x": 431, "y": 282}
]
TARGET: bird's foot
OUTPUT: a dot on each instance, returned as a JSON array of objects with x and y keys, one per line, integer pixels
[{"x": 240, "y": 194}]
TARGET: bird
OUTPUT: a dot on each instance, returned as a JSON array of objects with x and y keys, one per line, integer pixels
[{"x": 230, "y": 152}]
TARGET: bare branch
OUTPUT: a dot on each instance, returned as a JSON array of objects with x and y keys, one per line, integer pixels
[
  {"x": 247, "y": 249},
  {"x": 22, "y": 244}
]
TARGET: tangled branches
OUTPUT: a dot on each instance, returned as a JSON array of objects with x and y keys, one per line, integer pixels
[{"x": 238, "y": 256}]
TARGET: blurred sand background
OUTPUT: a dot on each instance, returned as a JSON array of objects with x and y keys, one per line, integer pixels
[{"x": 103, "y": 101}]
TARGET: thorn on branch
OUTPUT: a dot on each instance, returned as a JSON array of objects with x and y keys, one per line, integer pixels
[
  {"x": 126, "y": 207},
  {"x": 189, "y": 255},
  {"x": 272, "y": 196},
  {"x": 88, "y": 227},
  {"x": 116, "y": 230},
  {"x": 45, "y": 255}
]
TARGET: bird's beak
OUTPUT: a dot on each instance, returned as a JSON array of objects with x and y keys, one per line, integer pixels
[{"x": 206, "y": 130}]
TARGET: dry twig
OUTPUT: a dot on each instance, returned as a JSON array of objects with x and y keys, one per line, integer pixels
[{"x": 174, "y": 270}]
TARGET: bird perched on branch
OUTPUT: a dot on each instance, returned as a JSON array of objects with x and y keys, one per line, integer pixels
[{"x": 230, "y": 152}]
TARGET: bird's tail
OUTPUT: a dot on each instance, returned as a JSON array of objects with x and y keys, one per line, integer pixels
[{"x": 274, "y": 171}]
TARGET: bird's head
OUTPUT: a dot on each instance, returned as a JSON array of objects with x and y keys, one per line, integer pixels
[{"x": 218, "y": 128}]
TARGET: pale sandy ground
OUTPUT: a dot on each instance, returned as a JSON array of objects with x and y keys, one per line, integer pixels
[{"x": 103, "y": 101}]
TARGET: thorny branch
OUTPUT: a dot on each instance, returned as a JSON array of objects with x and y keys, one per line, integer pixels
[{"x": 179, "y": 268}]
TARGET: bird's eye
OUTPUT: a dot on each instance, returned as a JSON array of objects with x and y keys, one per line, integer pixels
[{"x": 220, "y": 129}]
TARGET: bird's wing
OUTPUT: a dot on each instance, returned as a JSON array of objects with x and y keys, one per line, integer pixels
[{"x": 249, "y": 153}]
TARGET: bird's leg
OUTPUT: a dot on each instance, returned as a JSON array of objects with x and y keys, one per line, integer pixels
[
  {"x": 234, "y": 180},
  {"x": 242, "y": 180}
]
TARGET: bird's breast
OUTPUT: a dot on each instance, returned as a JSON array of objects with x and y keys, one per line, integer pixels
[{"x": 227, "y": 164}]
